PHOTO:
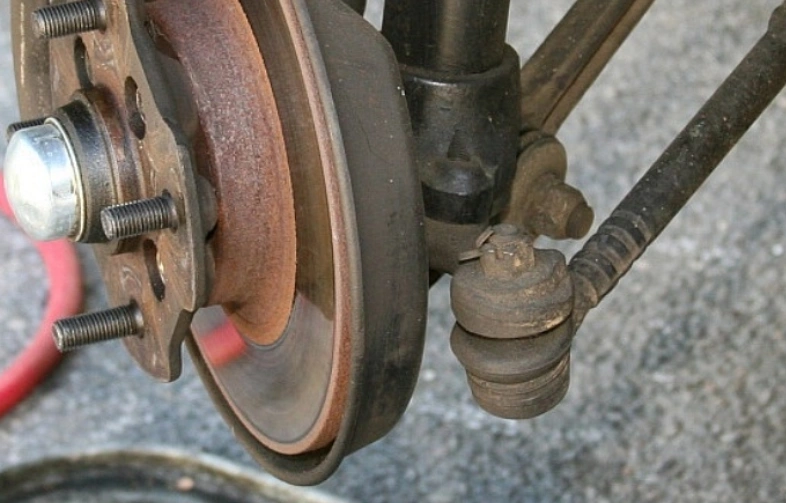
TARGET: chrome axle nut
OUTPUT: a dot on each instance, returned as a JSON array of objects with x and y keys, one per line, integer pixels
[{"x": 43, "y": 182}]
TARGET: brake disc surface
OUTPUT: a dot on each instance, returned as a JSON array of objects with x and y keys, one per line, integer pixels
[
  {"x": 334, "y": 80},
  {"x": 288, "y": 383}
]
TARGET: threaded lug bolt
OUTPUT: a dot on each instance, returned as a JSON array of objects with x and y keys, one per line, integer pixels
[
  {"x": 91, "y": 328},
  {"x": 69, "y": 19},
  {"x": 18, "y": 126},
  {"x": 139, "y": 217}
]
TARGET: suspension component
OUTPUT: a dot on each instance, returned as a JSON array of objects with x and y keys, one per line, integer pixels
[
  {"x": 679, "y": 172},
  {"x": 541, "y": 202},
  {"x": 462, "y": 86},
  {"x": 513, "y": 306},
  {"x": 555, "y": 78}
]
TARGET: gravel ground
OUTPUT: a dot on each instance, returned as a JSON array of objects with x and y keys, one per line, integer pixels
[{"x": 677, "y": 379}]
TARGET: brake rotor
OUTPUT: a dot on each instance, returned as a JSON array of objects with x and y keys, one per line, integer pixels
[
  {"x": 288, "y": 385},
  {"x": 303, "y": 340},
  {"x": 289, "y": 117}
]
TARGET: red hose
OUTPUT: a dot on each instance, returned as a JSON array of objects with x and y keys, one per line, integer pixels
[
  {"x": 222, "y": 345},
  {"x": 38, "y": 359}
]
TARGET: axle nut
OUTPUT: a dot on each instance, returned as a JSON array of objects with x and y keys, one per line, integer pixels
[{"x": 42, "y": 181}]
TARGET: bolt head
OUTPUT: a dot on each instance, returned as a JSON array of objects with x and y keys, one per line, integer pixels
[
  {"x": 562, "y": 212},
  {"x": 580, "y": 221},
  {"x": 42, "y": 182}
]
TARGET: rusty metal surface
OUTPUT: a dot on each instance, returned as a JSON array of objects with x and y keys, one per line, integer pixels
[
  {"x": 571, "y": 58},
  {"x": 241, "y": 151},
  {"x": 124, "y": 89},
  {"x": 347, "y": 112},
  {"x": 263, "y": 201},
  {"x": 380, "y": 150},
  {"x": 31, "y": 60},
  {"x": 540, "y": 201}
]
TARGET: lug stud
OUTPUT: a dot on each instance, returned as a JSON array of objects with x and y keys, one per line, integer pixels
[
  {"x": 91, "y": 328},
  {"x": 139, "y": 217},
  {"x": 69, "y": 19}
]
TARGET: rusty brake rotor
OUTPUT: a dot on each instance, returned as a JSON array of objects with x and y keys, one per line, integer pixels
[
  {"x": 270, "y": 218},
  {"x": 345, "y": 125}
]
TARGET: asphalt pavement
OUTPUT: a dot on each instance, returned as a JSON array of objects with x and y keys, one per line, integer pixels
[{"x": 677, "y": 379}]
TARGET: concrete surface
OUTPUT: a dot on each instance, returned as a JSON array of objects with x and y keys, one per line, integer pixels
[{"x": 677, "y": 391}]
